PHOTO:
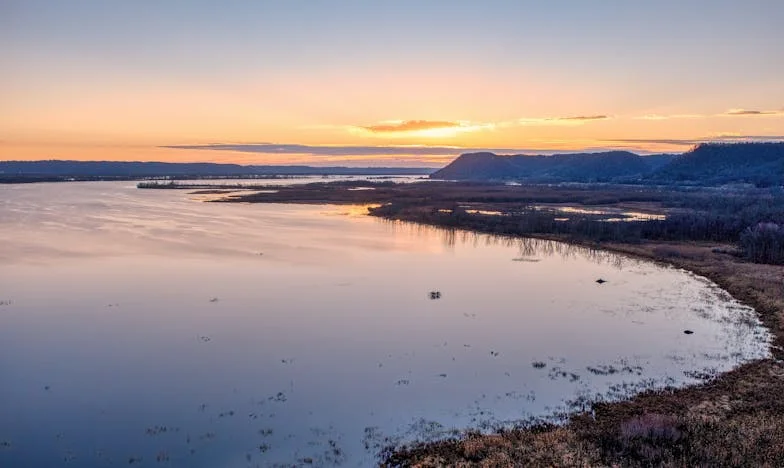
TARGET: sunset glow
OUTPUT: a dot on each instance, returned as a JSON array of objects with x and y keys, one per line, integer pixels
[{"x": 103, "y": 81}]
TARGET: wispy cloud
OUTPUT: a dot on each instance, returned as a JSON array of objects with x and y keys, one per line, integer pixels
[
  {"x": 729, "y": 113},
  {"x": 418, "y": 128},
  {"x": 447, "y": 128},
  {"x": 409, "y": 126},
  {"x": 582, "y": 118},
  {"x": 741, "y": 112},
  {"x": 544, "y": 121},
  {"x": 696, "y": 141},
  {"x": 328, "y": 150}
]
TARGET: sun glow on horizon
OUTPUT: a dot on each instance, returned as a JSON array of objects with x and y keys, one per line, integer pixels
[{"x": 115, "y": 81}]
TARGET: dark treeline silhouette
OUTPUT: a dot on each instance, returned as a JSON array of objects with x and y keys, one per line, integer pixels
[
  {"x": 760, "y": 164},
  {"x": 56, "y": 170}
]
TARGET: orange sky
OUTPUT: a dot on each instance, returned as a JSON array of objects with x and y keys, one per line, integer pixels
[{"x": 122, "y": 91}]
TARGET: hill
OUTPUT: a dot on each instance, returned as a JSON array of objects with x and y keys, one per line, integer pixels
[
  {"x": 611, "y": 166},
  {"x": 761, "y": 164}
]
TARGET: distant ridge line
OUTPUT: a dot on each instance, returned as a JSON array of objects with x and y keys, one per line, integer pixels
[{"x": 757, "y": 163}]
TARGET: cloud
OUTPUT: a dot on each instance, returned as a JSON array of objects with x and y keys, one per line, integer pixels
[
  {"x": 729, "y": 113},
  {"x": 544, "y": 121},
  {"x": 325, "y": 150},
  {"x": 742, "y": 112},
  {"x": 696, "y": 141},
  {"x": 582, "y": 118},
  {"x": 410, "y": 126},
  {"x": 446, "y": 128}
]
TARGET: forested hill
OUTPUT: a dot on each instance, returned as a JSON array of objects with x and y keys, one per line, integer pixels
[
  {"x": 88, "y": 170},
  {"x": 761, "y": 164},
  {"x": 576, "y": 167}
]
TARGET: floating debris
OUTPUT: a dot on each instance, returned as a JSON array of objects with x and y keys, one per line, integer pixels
[
  {"x": 214, "y": 299},
  {"x": 601, "y": 281},
  {"x": 688, "y": 332},
  {"x": 494, "y": 353},
  {"x": 264, "y": 448},
  {"x": 435, "y": 294},
  {"x": 403, "y": 382},
  {"x": 538, "y": 365}
]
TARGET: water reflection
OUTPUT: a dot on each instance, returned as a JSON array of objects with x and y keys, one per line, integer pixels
[
  {"x": 528, "y": 248},
  {"x": 142, "y": 326}
]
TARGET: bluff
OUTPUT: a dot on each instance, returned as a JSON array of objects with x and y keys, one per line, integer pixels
[
  {"x": 575, "y": 167},
  {"x": 761, "y": 164}
]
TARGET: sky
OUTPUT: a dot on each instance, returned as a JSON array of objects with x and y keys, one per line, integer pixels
[{"x": 394, "y": 83}]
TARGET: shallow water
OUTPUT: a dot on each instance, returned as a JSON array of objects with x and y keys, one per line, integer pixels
[{"x": 145, "y": 326}]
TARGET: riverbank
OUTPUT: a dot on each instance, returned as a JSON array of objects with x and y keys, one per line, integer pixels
[{"x": 735, "y": 419}]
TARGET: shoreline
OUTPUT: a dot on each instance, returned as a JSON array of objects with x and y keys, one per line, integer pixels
[
  {"x": 735, "y": 418},
  {"x": 714, "y": 401}
]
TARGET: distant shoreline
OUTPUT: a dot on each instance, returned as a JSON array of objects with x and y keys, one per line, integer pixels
[{"x": 83, "y": 171}]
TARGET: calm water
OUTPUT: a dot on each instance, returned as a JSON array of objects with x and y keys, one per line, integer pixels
[{"x": 146, "y": 326}]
